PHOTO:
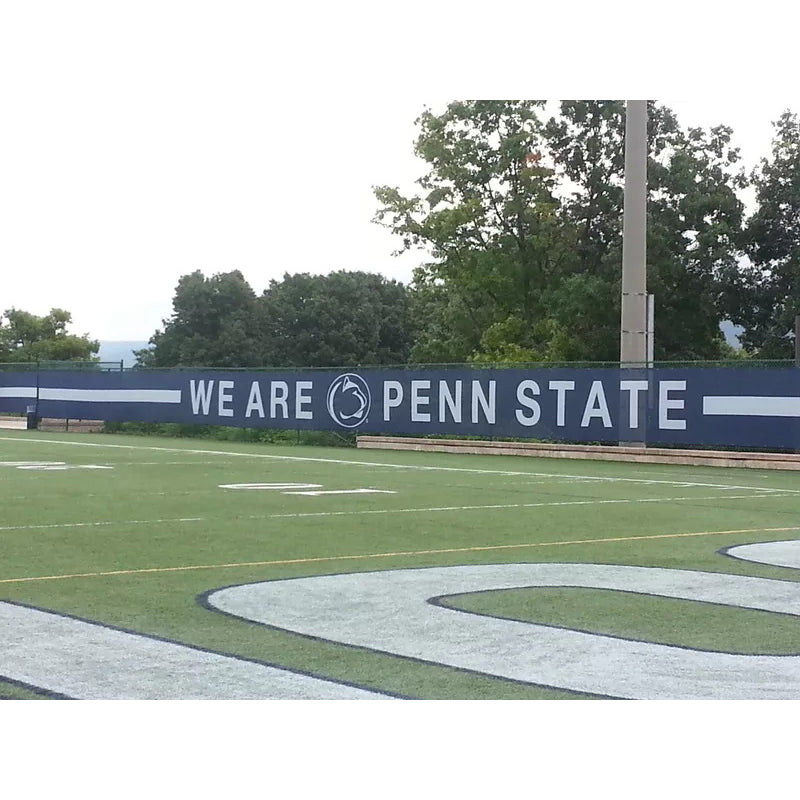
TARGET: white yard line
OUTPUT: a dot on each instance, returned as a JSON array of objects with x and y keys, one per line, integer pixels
[
  {"x": 362, "y": 512},
  {"x": 766, "y": 489},
  {"x": 48, "y": 526},
  {"x": 500, "y": 506}
]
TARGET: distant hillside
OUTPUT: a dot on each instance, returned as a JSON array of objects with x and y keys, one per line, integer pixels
[{"x": 121, "y": 351}]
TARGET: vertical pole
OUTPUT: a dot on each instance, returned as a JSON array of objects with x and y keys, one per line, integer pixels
[
  {"x": 633, "y": 349},
  {"x": 633, "y": 328},
  {"x": 797, "y": 341},
  {"x": 651, "y": 324}
]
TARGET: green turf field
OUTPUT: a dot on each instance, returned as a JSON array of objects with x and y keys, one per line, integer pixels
[{"x": 132, "y": 532}]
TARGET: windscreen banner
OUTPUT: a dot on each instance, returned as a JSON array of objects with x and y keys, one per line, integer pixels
[{"x": 722, "y": 407}]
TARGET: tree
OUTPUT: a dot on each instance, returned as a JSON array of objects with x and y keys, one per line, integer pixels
[
  {"x": 771, "y": 298},
  {"x": 523, "y": 221},
  {"x": 340, "y": 319},
  {"x": 27, "y": 337},
  {"x": 214, "y": 324},
  {"x": 488, "y": 219}
]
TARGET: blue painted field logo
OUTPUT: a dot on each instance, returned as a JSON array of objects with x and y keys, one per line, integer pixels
[{"x": 349, "y": 400}]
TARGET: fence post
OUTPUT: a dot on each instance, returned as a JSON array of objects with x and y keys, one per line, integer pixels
[{"x": 797, "y": 340}]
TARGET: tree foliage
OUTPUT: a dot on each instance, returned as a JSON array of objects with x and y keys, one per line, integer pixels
[
  {"x": 344, "y": 318},
  {"x": 27, "y": 337},
  {"x": 520, "y": 209},
  {"x": 523, "y": 221},
  {"x": 770, "y": 300},
  {"x": 340, "y": 319},
  {"x": 213, "y": 325}
]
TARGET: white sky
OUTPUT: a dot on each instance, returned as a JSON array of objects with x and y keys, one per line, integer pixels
[{"x": 143, "y": 140}]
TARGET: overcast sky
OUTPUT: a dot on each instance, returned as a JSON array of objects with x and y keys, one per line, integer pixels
[{"x": 141, "y": 141}]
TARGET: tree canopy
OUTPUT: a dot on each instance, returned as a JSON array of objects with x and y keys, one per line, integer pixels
[
  {"x": 343, "y": 318},
  {"x": 523, "y": 220},
  {"x": 770, "y": 300},
  {"x": 213, "y": 325},
  {"x": 27, "y": 337},
  {"x": 519, "y": 210}
]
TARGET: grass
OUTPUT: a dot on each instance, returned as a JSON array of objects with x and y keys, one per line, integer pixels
[{"x": 135, "y": 545}]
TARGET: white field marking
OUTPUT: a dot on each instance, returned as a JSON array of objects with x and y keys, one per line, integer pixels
[
  {"x": 396, "y": 466},
  {"x": 500, "y": 506},
  {"x": 275, "y": 486},
  {"x": 342, "y": 491},
  {"x": 48, "y": 526},
  {"x": 193, "y": 463},
  {"x": 397, "y": 554},
  {"x": 32, "y": 463},
  {"x": 63, "y": 466},
  {"x": 423, "y": 510},
  {"x": 391, "y": 611},
  {"x": 776, "y": 554},
  {"x": 87, "y": 660}
]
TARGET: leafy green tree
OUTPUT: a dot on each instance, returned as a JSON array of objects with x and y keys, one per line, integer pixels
[
  {"x": 27, "y": 337},
  {"x": 487, "y": 217},
  {"x": 523, "y": 221},
  {"x": 214, "y": 324},
  {"x": 694, "y": 223},
  {"x": 770, "y": 300},
  {"x": 340, "y": 319}
]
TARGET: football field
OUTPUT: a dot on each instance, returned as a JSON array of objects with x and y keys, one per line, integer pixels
[{"x": 151, "y": 568}]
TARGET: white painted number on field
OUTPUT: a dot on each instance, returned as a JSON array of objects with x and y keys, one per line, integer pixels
[
  {"x": 392, "y": 612},
  {"x": 89, "y": 661}
]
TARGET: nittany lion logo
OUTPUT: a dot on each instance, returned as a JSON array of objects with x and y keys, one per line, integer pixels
[{"x": 349, "y": 400}]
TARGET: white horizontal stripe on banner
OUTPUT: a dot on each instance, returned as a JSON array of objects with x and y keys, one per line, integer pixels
[
  {"x": 17, "y": 391},
  {"x": 112, "y": 395},
  {"x": 751, "y": 406}
]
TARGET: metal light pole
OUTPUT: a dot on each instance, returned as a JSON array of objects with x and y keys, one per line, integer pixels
[
  {"x": 633, "y": 328},
  {"x": 635, "y": 348}
]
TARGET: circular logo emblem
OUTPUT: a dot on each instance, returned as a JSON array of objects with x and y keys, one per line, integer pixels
[{"x": 349, "y": 400}]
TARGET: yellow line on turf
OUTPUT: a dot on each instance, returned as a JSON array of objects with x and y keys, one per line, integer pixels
[{"x": 320, "y": 559}]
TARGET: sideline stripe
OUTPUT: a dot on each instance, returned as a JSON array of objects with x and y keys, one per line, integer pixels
[
  {"x": 402, "y": 553},
  {"x": 395, "y": 466},
  {"x": 298, "y": 514}
]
